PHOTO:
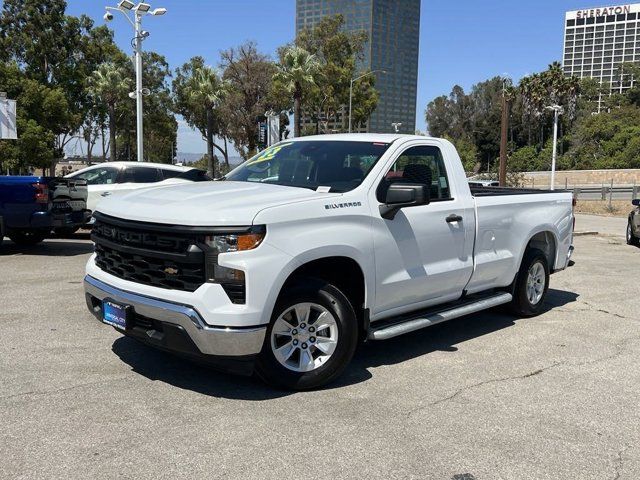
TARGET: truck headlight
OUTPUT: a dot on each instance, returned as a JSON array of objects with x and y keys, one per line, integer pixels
[
  {"x": 231, "y": 279},
  {"x": 235, "y": 242}
]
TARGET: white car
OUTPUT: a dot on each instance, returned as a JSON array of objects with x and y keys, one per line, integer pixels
[
  {"x": 318, "y": 242},
  {"x": 115, "y": 178}
]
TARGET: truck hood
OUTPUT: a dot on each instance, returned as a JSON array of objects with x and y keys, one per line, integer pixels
[{"x": 219, "y": 203}]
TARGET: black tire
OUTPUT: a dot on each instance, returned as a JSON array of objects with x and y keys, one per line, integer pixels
[
  {"x": 66, "y": 231},
  {"x": 27, "y": 238},
  {"x": 631, "y": 238},
  {"x": 311, "y": 290},
  {"x": 521, "y": 304}
]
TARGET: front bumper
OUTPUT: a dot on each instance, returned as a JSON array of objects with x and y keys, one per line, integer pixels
[{"x": 180, "y": 328}]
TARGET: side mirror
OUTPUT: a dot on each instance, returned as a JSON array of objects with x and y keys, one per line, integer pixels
[
  {"x": 400, "y": 195},
  {"x": 636, "y": 202}
]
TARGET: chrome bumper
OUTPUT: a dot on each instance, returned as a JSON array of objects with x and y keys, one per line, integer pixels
[{"x": 218, "y": 341}]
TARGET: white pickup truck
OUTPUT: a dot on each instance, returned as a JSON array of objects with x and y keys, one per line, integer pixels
[{"x": 317, "y": 243}]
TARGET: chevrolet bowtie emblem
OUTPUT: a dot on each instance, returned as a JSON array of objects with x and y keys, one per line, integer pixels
[{"x": 170, "y": 271}]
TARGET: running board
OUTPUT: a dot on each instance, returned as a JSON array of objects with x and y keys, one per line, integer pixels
[{"x": 433, "y": 318}]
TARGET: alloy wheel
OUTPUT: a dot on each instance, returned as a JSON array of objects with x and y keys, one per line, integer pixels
[{"x": 304, "y": 337}]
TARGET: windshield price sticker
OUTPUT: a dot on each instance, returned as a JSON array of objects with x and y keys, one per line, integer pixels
[{"x": 269, "y": 153}]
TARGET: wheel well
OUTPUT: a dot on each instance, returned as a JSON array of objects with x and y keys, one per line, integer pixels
[
  {"x": 343, "y": 273},
  {"x": 545, "y": 242}
]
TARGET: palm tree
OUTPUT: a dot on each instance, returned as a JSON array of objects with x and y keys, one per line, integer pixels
[
  {"x": 109, "y": 84},
  {"x": 206, "y": 89},
  {"x": 296, "y": 71}
]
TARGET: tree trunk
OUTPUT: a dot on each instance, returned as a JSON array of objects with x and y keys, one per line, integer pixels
[
  {"x": 211, "y": 167},
  {"x": 297, "y": 111},
  {"x": 226, "y": 153},
  {"x": 104, "y": 143},
  {"x": 112, "y": 133}
]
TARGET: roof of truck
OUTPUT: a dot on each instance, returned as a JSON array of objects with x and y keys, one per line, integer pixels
[{"x": 360, "y": 137}]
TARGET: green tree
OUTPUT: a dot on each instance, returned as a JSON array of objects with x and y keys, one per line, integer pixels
[
  {"x": 296, "y": 71},
  {"x": 198, "y": 90},
  {"x": 338, "y": 53},
  {"x": 109, "y": 84},
  {"x": 249, "y": 77}
]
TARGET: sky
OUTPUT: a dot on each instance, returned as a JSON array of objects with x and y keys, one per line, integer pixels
[{"x": 462, "y": 42}]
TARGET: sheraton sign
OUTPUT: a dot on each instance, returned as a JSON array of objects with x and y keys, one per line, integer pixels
[{"x": 603, "y": 11}]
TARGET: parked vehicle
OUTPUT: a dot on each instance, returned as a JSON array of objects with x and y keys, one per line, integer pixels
[
  {"x": 483, "y": 183},
  {"x": 633, "y": 225},
  {"x": 315, "y": 243},
  {"x": 116, "y": 178},
  {"x": 30, "y": 207}
]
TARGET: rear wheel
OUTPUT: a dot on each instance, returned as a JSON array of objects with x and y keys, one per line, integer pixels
[
  {"x": 531, "y": 285},
  {"x": 27, "y": 238},
  {"x": 311, "y": 338},
  {"x": 631, "y": 238}
]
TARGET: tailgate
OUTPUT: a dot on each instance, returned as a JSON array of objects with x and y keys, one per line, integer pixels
[{"x": 67, "y": 193}]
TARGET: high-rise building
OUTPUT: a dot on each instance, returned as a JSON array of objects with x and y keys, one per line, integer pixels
[
  {"x": 393, "y": 27},
  {"x": 598, "y": 40}
]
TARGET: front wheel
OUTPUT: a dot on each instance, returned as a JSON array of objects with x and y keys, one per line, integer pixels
[
  {"x": 27, "y": 238},
  {"x": 531, "y": 285},
  {"x": 631, "y": 238},
  {"x": 311, "y": 338}
]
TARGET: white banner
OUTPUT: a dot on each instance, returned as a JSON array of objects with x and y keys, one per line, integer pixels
[
  {"x": 8, "y": 129},
  {"x": 273, "y": 129}
]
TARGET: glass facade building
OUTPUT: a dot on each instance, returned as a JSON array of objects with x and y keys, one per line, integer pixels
[
  {"x": 598, "y": 40},
  {"x": 393, "y": 27}
]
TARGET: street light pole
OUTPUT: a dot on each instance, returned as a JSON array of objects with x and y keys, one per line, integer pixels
[
  {"x": 557, "y": 111},
  {"x": 351, "y": 90},
  {"x": 125, "y": 6},
  {"x": 139, "y": 113}
]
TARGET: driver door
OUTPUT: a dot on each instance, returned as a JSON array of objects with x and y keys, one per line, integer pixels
[{"x": 424, "y": 255}]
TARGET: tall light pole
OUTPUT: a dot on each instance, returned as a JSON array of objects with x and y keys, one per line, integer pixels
[
  {"x": 351, "y": 89},
  {"x": 557, "y": 111},
  {"x": 139, "y": 10}
]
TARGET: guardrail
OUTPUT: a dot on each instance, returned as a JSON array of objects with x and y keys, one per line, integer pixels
[{"x": 603, "y": 193}]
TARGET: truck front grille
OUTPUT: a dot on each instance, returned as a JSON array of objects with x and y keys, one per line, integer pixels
[{"x": 138, "y": 252}]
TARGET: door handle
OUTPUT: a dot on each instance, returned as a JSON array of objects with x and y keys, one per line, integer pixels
[
  {"x": 454, "y": 218},
  {"x": 105, "y": 194}
]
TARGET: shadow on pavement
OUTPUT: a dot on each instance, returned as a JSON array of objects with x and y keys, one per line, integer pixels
[
  {"x": 164, "y": 367},
  {"x": 182, "y": 373},
  {"x": 48, "y": 248}
]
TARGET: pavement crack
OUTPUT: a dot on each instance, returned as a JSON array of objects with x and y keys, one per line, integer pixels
[
  {"x": 619, "y": 462},
  {"x": 58, "y": 390},
  {"x": 480, "y": 384},
  {"x": 620, "y": 349}
]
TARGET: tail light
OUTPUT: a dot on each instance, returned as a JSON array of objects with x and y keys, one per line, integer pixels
[
  {"x": 42, "y": 192},
  {"x": 574, "y": 202}
]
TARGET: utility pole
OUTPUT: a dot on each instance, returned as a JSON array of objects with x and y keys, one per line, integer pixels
[
  {"x": 502, "y": 176},
  {"x": 504, "y": 129},
  {"x": 557, "y": 111}
]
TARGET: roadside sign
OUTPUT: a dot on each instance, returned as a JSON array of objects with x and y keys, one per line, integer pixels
[{"x": 8, "y": 130}]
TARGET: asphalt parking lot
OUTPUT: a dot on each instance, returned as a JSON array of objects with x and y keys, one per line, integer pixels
[{"x": 487, "y": 396}]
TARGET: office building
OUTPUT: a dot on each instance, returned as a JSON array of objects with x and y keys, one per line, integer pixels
[
  {"x": 393, "y": 27},
  {"x": 597, "y": 41}
]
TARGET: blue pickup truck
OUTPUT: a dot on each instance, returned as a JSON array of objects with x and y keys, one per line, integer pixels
[{"x": 32, "y": 207}]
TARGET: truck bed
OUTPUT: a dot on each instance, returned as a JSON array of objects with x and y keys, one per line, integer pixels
[{"x": 496, "y": 191}]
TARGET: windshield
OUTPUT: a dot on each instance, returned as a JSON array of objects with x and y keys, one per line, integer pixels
[{"x": 337, "y": 166}]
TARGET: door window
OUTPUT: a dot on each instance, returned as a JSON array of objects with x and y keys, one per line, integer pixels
[
  {"x": 419, "y": 165},
  {"x": 99, "y": 176},
  {"x": 140, "y": 175}
]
